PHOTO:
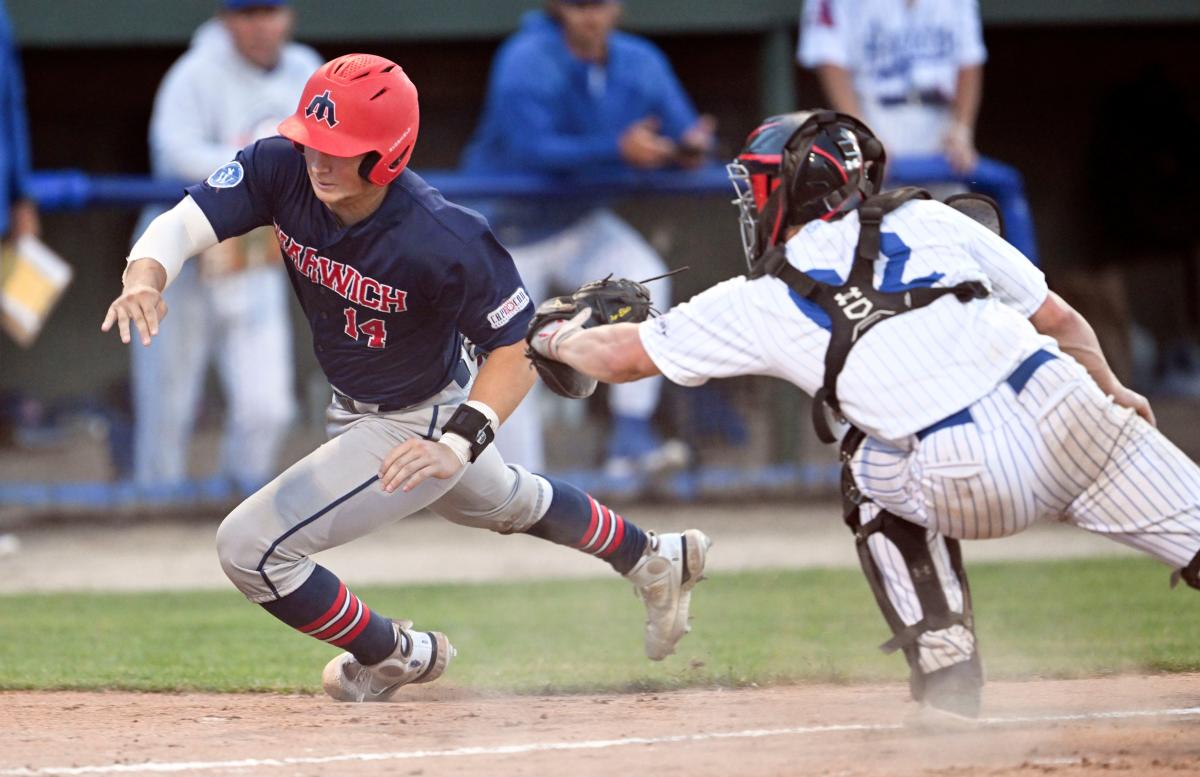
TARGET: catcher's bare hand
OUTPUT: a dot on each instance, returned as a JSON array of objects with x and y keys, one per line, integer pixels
[
  {"x": 1135, "y": 402},
  {"x": 413, "y": 461},
  {"x": 141, "y": 304},
  {"x": 546, "y": 340}
]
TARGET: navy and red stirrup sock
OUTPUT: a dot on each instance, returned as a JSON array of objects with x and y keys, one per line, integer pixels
[
  {"x": 324, "y": 608},
  {"x": 576, "y": 519}
]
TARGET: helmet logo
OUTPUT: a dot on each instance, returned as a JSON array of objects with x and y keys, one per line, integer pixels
[{"x": 322, "y": 108}]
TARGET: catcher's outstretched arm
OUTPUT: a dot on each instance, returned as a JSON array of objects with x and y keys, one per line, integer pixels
[{"x": 613, "y": 354}]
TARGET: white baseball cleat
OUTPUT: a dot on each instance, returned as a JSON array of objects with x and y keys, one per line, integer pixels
[
  {"x": 420, "y": 657},
  {"x": 663, "y": 579}
]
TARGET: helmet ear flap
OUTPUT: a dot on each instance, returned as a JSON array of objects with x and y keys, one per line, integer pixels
[{"x": 368, "y": 164}]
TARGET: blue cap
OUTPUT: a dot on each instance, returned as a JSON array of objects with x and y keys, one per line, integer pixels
[{"x": 237, "y": 5}]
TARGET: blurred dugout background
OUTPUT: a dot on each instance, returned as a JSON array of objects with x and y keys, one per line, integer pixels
[{"x": 1062, "y": 103}]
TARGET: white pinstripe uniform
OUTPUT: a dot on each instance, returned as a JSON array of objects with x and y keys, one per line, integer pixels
[{"x": 1020, "y": 431}]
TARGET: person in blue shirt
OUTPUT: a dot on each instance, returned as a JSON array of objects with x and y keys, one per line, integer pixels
[
  {"x": 18, "y": 213},
  {"x": 571, "y": 96},
  {"x": 391, "y": 278}
]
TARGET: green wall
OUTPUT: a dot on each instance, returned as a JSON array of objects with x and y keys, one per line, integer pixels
[{"x": 122, "y": 22}]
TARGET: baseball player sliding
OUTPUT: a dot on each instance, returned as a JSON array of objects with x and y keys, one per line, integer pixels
[
  {"x": 391, "y": 277},
  {"x": 979, "y": 401}
]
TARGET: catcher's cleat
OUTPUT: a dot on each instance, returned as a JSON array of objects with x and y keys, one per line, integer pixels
[
  {"x": 419, "y": 657},
  {"x": 663, "y": 579},
  {"x": 950, "y": 698}
]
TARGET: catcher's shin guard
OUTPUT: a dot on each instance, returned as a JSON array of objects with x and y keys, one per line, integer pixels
[{"x": 951, "y": 678}]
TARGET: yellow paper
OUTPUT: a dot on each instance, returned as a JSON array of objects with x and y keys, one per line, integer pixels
[{"x": 32, "y": 278}]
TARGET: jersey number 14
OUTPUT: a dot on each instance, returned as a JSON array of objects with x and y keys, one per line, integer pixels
[{"x": 374, "y": 329}]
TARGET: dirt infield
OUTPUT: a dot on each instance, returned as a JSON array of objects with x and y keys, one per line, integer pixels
[{"x": 1142, "y": 726}]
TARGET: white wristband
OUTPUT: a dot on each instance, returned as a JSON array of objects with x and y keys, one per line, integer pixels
[{"x": 459, "y": 445}]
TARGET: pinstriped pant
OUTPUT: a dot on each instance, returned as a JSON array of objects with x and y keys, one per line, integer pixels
[{"x": 1058, "y": 450}]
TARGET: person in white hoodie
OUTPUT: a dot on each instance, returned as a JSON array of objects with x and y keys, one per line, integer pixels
[{"x": 239, "y": 78}]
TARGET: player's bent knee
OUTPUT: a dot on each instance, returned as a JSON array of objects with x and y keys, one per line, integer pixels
[
  {"x": 242, "y": 551},
  {"x": 234, "y": 552}
]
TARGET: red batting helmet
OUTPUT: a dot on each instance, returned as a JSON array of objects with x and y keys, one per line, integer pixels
[{"x": 358, "y": 104}]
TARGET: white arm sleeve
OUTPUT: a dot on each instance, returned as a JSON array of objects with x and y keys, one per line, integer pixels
[{"x": 171, "y": 238}]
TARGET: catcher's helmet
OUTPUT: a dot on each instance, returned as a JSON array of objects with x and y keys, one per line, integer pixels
[
  {"x": 358, "y": 104},
  {"x": 801, "y": 166}
]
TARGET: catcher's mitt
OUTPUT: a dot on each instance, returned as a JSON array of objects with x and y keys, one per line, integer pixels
[{"x": 611, "y": 302}]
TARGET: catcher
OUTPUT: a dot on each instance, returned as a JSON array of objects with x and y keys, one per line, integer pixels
[{"x": 978, "y": 400}]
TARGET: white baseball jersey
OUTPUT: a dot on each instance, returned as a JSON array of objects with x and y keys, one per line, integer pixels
[
  {"x": 906, "y": 373},
  {"x": 904, "y": 57}
]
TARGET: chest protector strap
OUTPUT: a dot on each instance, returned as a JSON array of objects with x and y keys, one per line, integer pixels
[{"x": 856, "y": 306}]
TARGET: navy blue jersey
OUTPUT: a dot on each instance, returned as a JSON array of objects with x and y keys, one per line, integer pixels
[{"x": 389, "y": 298}]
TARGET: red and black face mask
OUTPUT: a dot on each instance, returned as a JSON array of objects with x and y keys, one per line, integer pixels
[{"x": 799, "y": 167}]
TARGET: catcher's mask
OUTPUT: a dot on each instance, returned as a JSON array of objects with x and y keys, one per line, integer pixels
[{"x": 801, "y": 166}]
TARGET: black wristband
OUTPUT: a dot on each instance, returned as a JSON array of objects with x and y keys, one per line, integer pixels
[{"x": 473, "y": 426}]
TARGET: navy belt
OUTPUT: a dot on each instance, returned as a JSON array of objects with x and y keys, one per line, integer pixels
[
  {"x": 1024, "y": 371},
  {"x": 927, "y": 97},
  {"x": 462, "y": 376},
  {"x": 1016, "y": 380}
]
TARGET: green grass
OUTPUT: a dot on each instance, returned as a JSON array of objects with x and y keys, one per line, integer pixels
[{"x": 1053, "y": 619}]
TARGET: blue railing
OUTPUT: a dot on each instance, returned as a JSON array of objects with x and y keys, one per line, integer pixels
[{"x": 73, "y": 189}]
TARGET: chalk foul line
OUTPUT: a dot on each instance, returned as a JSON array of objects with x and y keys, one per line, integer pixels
[{"x": 541, "y": 747}]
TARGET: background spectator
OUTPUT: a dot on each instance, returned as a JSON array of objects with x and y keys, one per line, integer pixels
[
  {"x": 238, "y": 79},
  {"x": 911, "y": 69},
  {"x": 570, "y": 95},
  {"x": 18, "y": 214}
]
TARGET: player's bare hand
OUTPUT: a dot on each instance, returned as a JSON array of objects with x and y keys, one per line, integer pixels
[
  {"x": 959, "y": 145},
  {"x": 413, "y": 461},
  {"x": 642, "y": 146},
  {"x": 139, "y": 304},
  {"x": 1135, "y": 402}
]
